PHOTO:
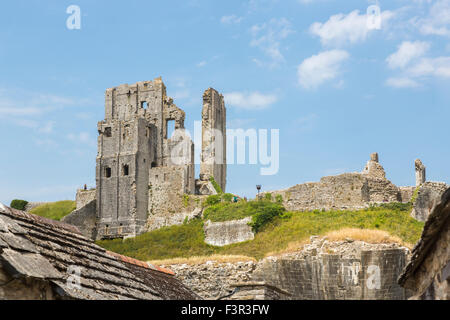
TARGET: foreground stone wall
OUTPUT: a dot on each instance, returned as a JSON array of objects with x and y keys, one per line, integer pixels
[
  {"x": 213, "y": 280},
  {"x": 323, "y": 270},
  {"x": 429, "y": 193},
  {"x": 228, "y": 232}
]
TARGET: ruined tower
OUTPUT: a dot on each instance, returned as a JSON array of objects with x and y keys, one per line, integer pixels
[
  {"x": 145, "y": 161},
  {"x": 213, "y": 155},
  {"x": 420, "y": 172},
  {"x": 138, "y": 164}
]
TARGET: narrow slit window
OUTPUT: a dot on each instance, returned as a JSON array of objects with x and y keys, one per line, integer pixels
[
  {"x": 170, "y": 128},
  {"x": 108, "y": 172},
  {"x": 126, "y": 170},
  {"x": 108, "y": 132}
]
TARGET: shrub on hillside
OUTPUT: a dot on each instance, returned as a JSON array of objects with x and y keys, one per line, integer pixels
[
  {"x": 227, "y": 197},
  {"x": 212, "y": 200},
  {"x": 266, "y": 214},
  {"x": 216, "y": 185},
  {"x": 19, "y": 204}
]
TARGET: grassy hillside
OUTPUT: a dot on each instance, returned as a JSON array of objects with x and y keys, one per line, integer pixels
[
  {"x": 277, "y": 235},
  {"x": 55, "y": 210}
]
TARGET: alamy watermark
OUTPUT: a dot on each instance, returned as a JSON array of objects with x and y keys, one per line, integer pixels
[
  {"x": 73, "y": 22},
  {"x": 250, "y": 146},
  {"x": 373, "y": 17}
]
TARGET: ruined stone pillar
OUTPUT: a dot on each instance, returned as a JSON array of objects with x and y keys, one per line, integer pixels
[
  {"x": 374, "y": 157},
  {"x": 213, "y": 157},
  {"x": 420, "y": 172}
]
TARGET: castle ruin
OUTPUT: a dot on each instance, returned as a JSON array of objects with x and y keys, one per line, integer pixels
[{"x": 143, "y": 174}]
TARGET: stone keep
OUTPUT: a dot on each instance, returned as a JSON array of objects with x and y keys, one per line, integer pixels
[
  {"x": 213, "y": 156},
  {"x": 139, "y": 167}
]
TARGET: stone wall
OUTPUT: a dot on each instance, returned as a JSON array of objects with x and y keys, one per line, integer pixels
[
  {"x": 257, "y": 291},
  {"x": 322, "y": 270},
  {"x": 84, "y": 219},
  {"x": 83, "y": 197},
  {"x": 228, "y": 232},
  {"x": 346, "y": 191},
  {"x": 429, "y": 193},
  {"x": 213, "y": 280}
]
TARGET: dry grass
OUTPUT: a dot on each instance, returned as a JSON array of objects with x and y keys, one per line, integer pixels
[
  {"x": 369, "y": 236},
  {"x": 366, "y": 235},
  {"x": 200, "y": 260}
]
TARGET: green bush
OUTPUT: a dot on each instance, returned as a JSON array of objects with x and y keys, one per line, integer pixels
[
  {"x": 266, "y": 214},
  {"x": 212, "y": 200},
  {"x": 227, "y": 197},
  {"x": 268, "y": 196},
  {"x": 19, "y": 204},
  {"x": 216, "y": 185},
  {"x": 279, "y": 198}
]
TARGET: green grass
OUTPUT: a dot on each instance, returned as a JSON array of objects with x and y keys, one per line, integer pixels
[
  {"x": 55, "y": 210},
  {"x": 188, "y": 240}
]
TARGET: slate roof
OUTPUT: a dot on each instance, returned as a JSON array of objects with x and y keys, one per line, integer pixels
[
  {"x": 40, "y": 248},
  {"x": 435, "y": 224}
]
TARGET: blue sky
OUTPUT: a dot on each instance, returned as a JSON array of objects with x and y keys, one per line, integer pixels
[{"x": 337, "y": 90}]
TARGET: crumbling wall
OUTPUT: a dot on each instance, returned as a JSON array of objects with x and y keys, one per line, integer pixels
[
  {"x": 213, "y": 155},
  {"x": 429, "y": 193},
  {"x": 358, "y": 272},
  {"x": 322, "y": 270},
  {"x": 83, "y": 197},
  {"x": 213, "y": 280},
  {"x": 228, "y": 232},
  {"x": 346, "y": 191},
  {"x": 85, "y": 219}
]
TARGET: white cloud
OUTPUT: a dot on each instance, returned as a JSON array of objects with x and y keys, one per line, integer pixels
[
  {"x": 407, "y": 52},
  {"x": 401, "y": 82},
  {"x": 341, "y": 29},
  {"x": 306, "y": 123},
  {"x": 233, "y": 19},
  {"x": 82, "y": 138},
  {"x": 438, "y": 67},
  {"x": 268, "y": 38},
  {"x": 438, "y": 20},
  {"x": 320, "y": 68},
  {"x": 251, "y": 101}
]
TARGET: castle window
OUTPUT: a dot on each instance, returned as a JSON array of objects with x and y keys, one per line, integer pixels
[
  {"x": 108, "y": 172},
  {"x": 170, "y": 128},
  {"x": 108, "y": 132},
  {"x": 125, "y": 170},
  {"x": 153, "y": 164},
  {"x": 144, "y": 104}
]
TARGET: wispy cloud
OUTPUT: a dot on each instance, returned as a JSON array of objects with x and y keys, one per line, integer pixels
[
  {"x": 437, "y": 22},
  {"x": 269, "y": 36},
  {"x": 232, "y": 19},
  {"x": 342, "y": 29},
  {"x": 402, "y": 82},
  {"x": 251, "y": 101},
  {"x": 320, "y": 68},
  {"x": 407, "y": 52}
]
